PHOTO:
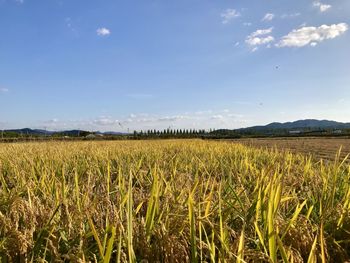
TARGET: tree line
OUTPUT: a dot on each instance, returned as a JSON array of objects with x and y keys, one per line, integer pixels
[{"x": 170, "y": 133}]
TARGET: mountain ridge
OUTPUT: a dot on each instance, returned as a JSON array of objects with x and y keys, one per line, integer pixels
[
  {"x": 40, "y": 132},
  {"x": 301, "y": 124}
]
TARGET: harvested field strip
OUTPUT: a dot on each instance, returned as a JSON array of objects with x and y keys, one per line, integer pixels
[{"x": 325, "y": 148}]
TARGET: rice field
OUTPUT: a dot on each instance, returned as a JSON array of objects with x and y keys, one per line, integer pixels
[{"x": 170, "y": 201}]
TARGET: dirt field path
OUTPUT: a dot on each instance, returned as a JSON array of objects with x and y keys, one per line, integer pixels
[{"x": 325, "y": 148}]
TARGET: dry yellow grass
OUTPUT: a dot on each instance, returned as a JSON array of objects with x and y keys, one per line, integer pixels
[{"x": 170, "y": 201}]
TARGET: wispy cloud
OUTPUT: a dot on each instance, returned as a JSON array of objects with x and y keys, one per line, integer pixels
[
  {"x": 172, "y": 118},
  {"x": 291, "y": 15},
  {"x": 4, "y": 90},
  {"x": 312, "y": 35},
  {"x": 259, "y": 37},
  {"x": 268, "y": 17},
  {"x": 103, "y": 31},
  {"x": 235, "y": 116},
  {"x": 217, "y": 117},
  {"x": 105, "y": 121},
  {"x": 143, "y": 121},
  {"x": 247, "y": 23},
  {"x": 322, "y": 7},
  {"x": 68, "y": 22},
  {"x": 229, "y": 14},
  {"x": 203, "y": 112},
  {"x": 261, "y": 32}
]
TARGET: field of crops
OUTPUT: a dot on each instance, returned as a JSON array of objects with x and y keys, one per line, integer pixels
[
  {"x": 170, "y": 201},
  {"x": 318, "y": 148}
]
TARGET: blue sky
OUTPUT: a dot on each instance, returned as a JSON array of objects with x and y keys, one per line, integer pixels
[{"x": 114, "y": 65}]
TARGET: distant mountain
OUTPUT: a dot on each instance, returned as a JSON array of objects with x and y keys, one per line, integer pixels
[
  {"x": 70, "y": 133},
  {"x": 302, "y": 124},
  {"x": 307, "y": 127},
  {"x": 39, "y": 132},
  {"x": 28, "y": 131}
]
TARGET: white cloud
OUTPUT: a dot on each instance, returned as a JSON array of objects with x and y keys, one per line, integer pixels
[
  {"x": 204, "y": 119},
  {"x": 322, "y": 7},
  {"x": 312, "y": 35},
  {"x": 152, "y": 119},
  {"x": 203, "y": 112},
  {"x": 172, "y": 118},
  {"x": 217, "y": 117},
  {"x": 247, "y": 23},
  {"x": 236, "y": 116},
  {"x": 261, "y": 32},
  {"x": 228, "y": 15},
  {"x": 103, "y": 31},
  {"x": 259, "y": 37},
  {"x": 4, "y": 90},
  {"x": 268, "y": 17},
  {"x": 105, "y": 121},
  {"x": 292, "y": 15},
  {"x": 256, "y": 41}
]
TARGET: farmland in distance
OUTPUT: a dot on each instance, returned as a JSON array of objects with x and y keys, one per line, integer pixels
[{"x": 317, "y": 147}]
